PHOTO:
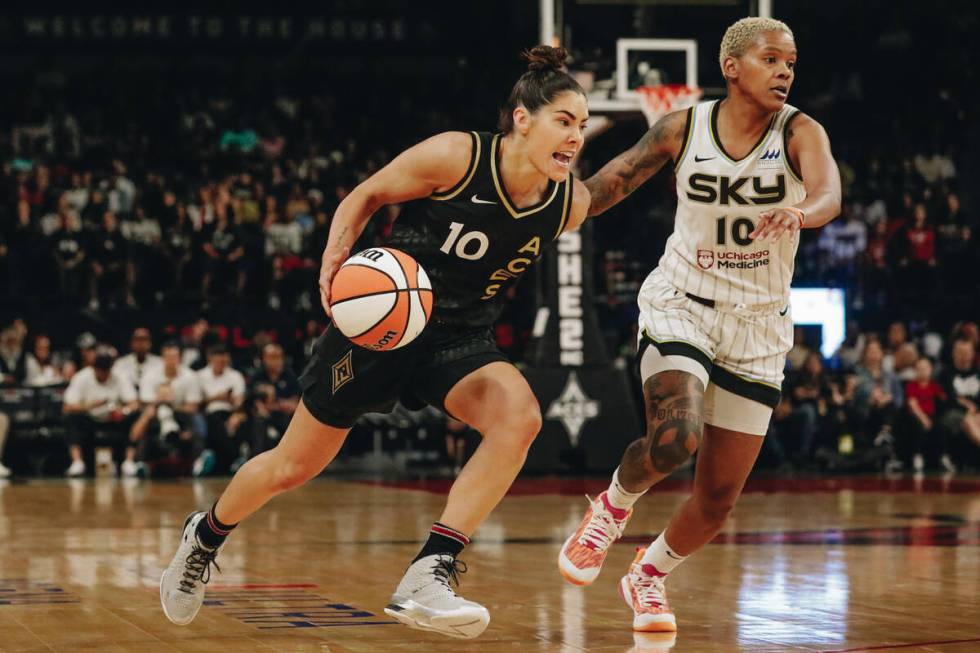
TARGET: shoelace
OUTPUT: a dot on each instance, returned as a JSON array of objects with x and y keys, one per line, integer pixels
[
  {"x": 602, "y": 529},
  {"x": 197, "y": 568},
  {"x": 447, "y": 569},
  {"x": 649, "y": 590}
]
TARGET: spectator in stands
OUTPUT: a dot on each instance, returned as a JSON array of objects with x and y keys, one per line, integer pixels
[
  {"x": 193, "y": 344},
  {"x": 961, "y": 383},
  {"x": 107, "y": 258},
  {"x": 144, "y": 236},
  {"x": 178, "y": 250},
  {"x": 42, "y": 368},
  {"x": 919, "y": 259},
  {"x": 223, "y": 391},
  {"x": 923, "y": 397},
  {"x": 810, "y": 391},
  {"x": 171, "y": 397},
  {"x": 877, "y": 397},
  {"x": 276, "y": 391},
  {"x": 140, "y": 359},
  {"x": 98, "y": 402},
  {"x": 900, "y": 354},
  {"x": 842, "y": 242},
  {"x": 850, "y": 350},
  {"x": 223, "y": 249},
  {"x": 68, "y": 250},
  {"x": 13, "y": 358},
  {"x": 875, "y": 269}
]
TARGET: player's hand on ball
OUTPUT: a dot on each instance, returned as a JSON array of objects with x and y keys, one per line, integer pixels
[
  {"x": 776, "y": 222},
  {"x": 328, "y": 267}
]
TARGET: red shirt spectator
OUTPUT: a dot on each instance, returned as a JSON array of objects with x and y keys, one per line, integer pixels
[
  {"x": 921, "y": 238},
  {"x": 925, "y": 393}
]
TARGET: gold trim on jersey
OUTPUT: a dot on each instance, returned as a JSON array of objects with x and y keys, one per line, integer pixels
[
  {"x": 465, "y": 181},
  {"x": 566, "y": 211},
  {"x": 688, "y": 136},
  {"x": 515, "y": 213},
  {"x": 716, "y": 139}
]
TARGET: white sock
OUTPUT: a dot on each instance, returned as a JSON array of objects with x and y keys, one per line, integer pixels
[
  {"x": 618, "y": 496},
  {"x": 661, "y": 556}
]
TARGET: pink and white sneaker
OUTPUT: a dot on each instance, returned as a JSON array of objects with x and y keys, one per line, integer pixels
[
  {"x": 643, "y": 590},
  {"x": 583, "y": 553}
]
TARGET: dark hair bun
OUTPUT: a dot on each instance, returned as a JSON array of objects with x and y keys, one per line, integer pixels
[{"x": 544, "y": 58}]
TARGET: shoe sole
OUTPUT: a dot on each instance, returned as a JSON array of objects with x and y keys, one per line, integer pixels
[
  {"x": 565, "y": 567},
  {"x": 411, "y": 614},
  {"x": 668, "y": 625},
  {"x": 163, "y": 604}
]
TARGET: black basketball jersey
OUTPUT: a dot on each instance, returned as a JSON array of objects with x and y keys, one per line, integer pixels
[{"x": 473, "y": 242}]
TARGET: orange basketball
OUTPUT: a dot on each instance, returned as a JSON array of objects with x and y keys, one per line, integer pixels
[{"x": 381, "y": 298}]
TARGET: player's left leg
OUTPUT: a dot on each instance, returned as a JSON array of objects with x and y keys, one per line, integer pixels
[
  {"x": 725, "y": 460},
  {"x": 497, "y": 401}
]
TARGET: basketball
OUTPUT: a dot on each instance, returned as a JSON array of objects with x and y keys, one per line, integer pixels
[{"x": 381, "y": 299}]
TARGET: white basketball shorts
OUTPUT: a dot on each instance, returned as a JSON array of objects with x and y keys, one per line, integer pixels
[{"x": 737, "y": 351}]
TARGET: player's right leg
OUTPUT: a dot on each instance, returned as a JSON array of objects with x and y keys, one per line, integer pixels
[
  {"x": 674, "y": 364},
  {"x": 341, "y": 382},
  {"x": 307, "y": 447}
]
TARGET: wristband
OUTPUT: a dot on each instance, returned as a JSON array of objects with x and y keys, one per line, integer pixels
[{"x": 799, "y": 214}]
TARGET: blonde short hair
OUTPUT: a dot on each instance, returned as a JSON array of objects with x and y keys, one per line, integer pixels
[{"x": 743, "y": 33}]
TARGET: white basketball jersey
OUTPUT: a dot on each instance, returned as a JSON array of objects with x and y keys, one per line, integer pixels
[{"x": 719, "y": 200}]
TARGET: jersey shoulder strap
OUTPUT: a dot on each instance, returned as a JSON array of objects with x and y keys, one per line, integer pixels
[{"x": 477, "y": 154}]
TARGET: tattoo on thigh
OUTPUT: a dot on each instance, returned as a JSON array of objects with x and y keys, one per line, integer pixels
[{"x": 675, "y": 405}]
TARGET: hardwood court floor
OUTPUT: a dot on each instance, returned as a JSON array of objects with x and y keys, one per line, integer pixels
[{"x": 860, "y": 565}]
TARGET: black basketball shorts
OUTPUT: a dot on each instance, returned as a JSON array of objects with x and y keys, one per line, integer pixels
[{"x": 343, "y": 381}]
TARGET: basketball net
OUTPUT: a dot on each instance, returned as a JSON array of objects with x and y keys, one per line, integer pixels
[{"x": 658, "y": 101}]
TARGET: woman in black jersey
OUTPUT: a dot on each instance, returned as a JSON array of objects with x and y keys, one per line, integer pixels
[{"x": 478, "y": 210}]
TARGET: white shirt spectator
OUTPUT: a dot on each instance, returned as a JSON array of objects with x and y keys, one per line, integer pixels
[
  {"x": 283, "y": 239},
  {"x": 184, "y": 386},
  {"x": 844, "y": 241},
  {"x": 212, "y": 386},
  {"x": 129, "y": 367},
  {"x": 39, "y": 376},
  {"x": 84, "y": 388},
  {"x": 934, "y": 168}
]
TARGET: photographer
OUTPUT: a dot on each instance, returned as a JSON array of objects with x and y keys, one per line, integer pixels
[{"x": 171, "y": 396}]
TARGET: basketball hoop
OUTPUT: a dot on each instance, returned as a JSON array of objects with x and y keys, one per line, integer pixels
[{"x": 658, "y": 101}]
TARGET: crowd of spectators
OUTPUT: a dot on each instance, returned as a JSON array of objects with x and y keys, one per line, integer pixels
[
  {"x": 139, "y": 215},
  {"x": 897, "y": 403}
]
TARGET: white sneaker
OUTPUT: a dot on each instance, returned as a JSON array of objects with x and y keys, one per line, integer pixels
[
  {"x": 947, "y": 464},
  {"x": 76, "y": 469},
  {"x": 918, "y": 463},
  {"x": 129, "y": 468},
  {"x": 4, "y": 471},
  {"x": 182, "y": 583},
  {"x": 425, "y": 600}
]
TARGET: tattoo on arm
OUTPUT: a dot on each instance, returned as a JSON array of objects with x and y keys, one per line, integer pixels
[{"x": 626, "y": 172}]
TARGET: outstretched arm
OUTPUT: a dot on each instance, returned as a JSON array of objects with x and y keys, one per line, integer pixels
[
  {"x": 626, "y": 172},
  {"x": 435, "y": 164},
  {"x": 807, "y": 145}
]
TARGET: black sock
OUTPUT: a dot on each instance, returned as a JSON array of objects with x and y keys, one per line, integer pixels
[
  {"x": 443, "y": 539},
  {"x": 211, "y": 532}
]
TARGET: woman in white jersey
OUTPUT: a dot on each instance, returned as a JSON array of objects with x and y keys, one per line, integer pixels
[{"x": 714, "y": 315}]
